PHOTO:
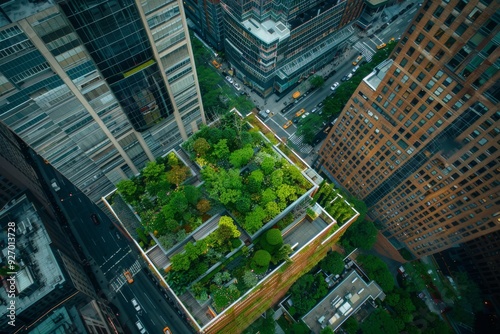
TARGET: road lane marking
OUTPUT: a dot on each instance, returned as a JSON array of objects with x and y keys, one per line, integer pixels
[
  {"x": 369, "y": 47},
  {"x": 116, "y": 262},
  {"x": 103, "y": 238},
  {"x": 149, "y": 300},
  {"x": 93, "y": 241},
  {"x": 164, "y": 321},
  {"x": 80, "y": 200}
]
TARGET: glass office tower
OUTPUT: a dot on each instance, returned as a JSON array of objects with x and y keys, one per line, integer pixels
[
  {"x": 98, "y": 88},
  {"x": 419, "y": 139}
]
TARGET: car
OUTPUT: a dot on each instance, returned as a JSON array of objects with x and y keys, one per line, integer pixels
[
  {"x": 140, "y": 327},
  {"x": 305, "y": 115},
  {"x": 128, "y": 276},
  {"x": 167, "y": 330},
  {"x": 349, "y": 76},
  {"x": 355, "y": 69},
  {"x": 358, "y": 59},
  {"x": 344, "y": 78},
  {"x": 287, "y": 124},
  {"x": 335, "y": 86},
  {"x": 383, "y": 26},
  {"x": 296, "y": 120},
  {"x": 319, "y": 105},
  {"x": 300, "y": 112},
  {"x": 95, "y": 219},
  {"x": 54, "y": 185},
  {"x": 136, "y": 304},
  {"x": 237, "y": 86},
  {"x": 268, "y": 111},
  {"x": 229, "y": 79},
  {"x": 314, "y": 110},
  {"x": 381, "y": 46}
]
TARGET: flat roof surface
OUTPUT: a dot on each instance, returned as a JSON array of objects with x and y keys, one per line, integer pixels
[
  {"x": 375, "y": 78},
  {"x": 20, "y": 9},
  {"x": 329, "y": 309},
  {"x": 303, "y": 232},
  {"x": 268, "y": 31}
]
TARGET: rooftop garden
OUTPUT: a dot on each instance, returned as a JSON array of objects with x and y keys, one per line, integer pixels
[
  {"x": 243, "y": 172},
  {"x": 167, "y": 208}
]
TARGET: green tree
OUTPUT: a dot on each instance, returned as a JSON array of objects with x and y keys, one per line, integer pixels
[
  {"x": 201, "y": 146},
  {"x": 253, "y": 221},
  {"x": 362, "y": 234},
  {"x": 203, "y": 205},
  {"x": 267, "y": 196},
  {"x": 178, "y": 201},
  {"x": 250, "y": 279},
  {"x": 192, "y": 194},
  {"x": 180, "y": 262},
  {"x": 333, "y": 263},
  {"x": 267, "y": 165},
  {"x": 277, "y": 178},
  {"x": 153, "y": 171},
  {"x": 241, "y": 157},
  {"x": 379, "y": 322},
  {"x": 177, "y": 174},
  {"x": 272, "y": 209},
  {"x": 286, "y": 192},
  {"x": 243, "y": 204},
  {"x": 317, "y": 81},
  {"x": 221, "y": 150},
  {"x": 273, "y": 237},
  {"x": 328, "y": 330},
  {"x": 128, "y": 190},
  {"x": 226, "y": 230},
  {"x": 377, "y": 270},
  {"x": 283, "y": 253},
  {"x": 260, "y": 261},
  {"x": 350, "y": 325}
]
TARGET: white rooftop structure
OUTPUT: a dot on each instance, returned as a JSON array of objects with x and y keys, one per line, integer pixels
[{"x": 268, "y": 31}]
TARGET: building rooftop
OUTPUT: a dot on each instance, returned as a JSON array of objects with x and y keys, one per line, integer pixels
[
  {"x": 39, "y": 272},
  {"x": 342, "y": 302},
  {"x": 268, "y": 31},
  {"x": 16, "y": 10},
  {"x": 375, "y": 78},
  {"x": 315, "y": 11}
]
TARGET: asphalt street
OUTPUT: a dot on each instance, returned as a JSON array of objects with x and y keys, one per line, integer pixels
[{"x": 109, "y": 254}]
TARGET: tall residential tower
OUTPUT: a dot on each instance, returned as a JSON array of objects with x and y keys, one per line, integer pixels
[
  {"x": 275, "y": 44},
  {"x": 98, "y": 88},
  {"x": 418, "y": 141}
]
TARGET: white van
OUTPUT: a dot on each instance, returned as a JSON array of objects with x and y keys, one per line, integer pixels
[{"x": 140, "y": 327}]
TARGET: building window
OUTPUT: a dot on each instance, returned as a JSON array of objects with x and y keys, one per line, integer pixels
[
  {"x": 429, "y": 26},
  {"x": 439, "y": 54},
  {"x": 449, "y": 43},
  {"x": 450, "y": 19},
  {"x": 410, "y": 51},
  {"x": 461, "y": 29},
  {"x": 439, "y": 33},
  {"x": 419, "y": 39},
  {"x": 438, "y": 11}
]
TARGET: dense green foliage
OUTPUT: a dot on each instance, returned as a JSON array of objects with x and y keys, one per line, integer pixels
[
  {"x": 361, "y": 234},
  {"x": 329, "y": 198},
  {"x": 306, "y": 292},
  {"x": 243, "y": 173},
  {"x": 377, "y": 270},
  {"x": 332, "y": 264}
]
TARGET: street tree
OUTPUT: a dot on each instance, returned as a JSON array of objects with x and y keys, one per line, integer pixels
[{"x": 317, "y": 81}]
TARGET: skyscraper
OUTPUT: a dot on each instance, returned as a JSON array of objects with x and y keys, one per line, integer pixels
[
  {"x": 98, "y": 88},
  {"x": 275, "y": 44},
  {"x": 205, "y": 17},
  {"x": 418, "y": 140}
]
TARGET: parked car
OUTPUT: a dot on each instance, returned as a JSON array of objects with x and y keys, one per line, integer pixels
[
  {"x": 319, "y": 105},
  {"x": 355, "y": 69},
  {"x": 296, "y": 120},
  {"x": 305, "y": 115},
  {"x": 335, "y": 86},
  {"x": 314, "y": 110},
  {"x": 229, "y": 79},
  {"x": 140, "y": 327},
  {"x": 381, "y": 46},
  {"x": 237, "y": 86},
  {"x": 54, "y": 185},
  {"x": 349, "y": 76},
  {"x": 136, "y": 304},
  {"x": 345, "y": 78}
]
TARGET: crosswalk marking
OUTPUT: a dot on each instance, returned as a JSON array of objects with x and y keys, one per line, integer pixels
[
  {"x": 303, "y": 147},
  {"x": 366, "y": 51},
  {"x": 120, "y": 280}
]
